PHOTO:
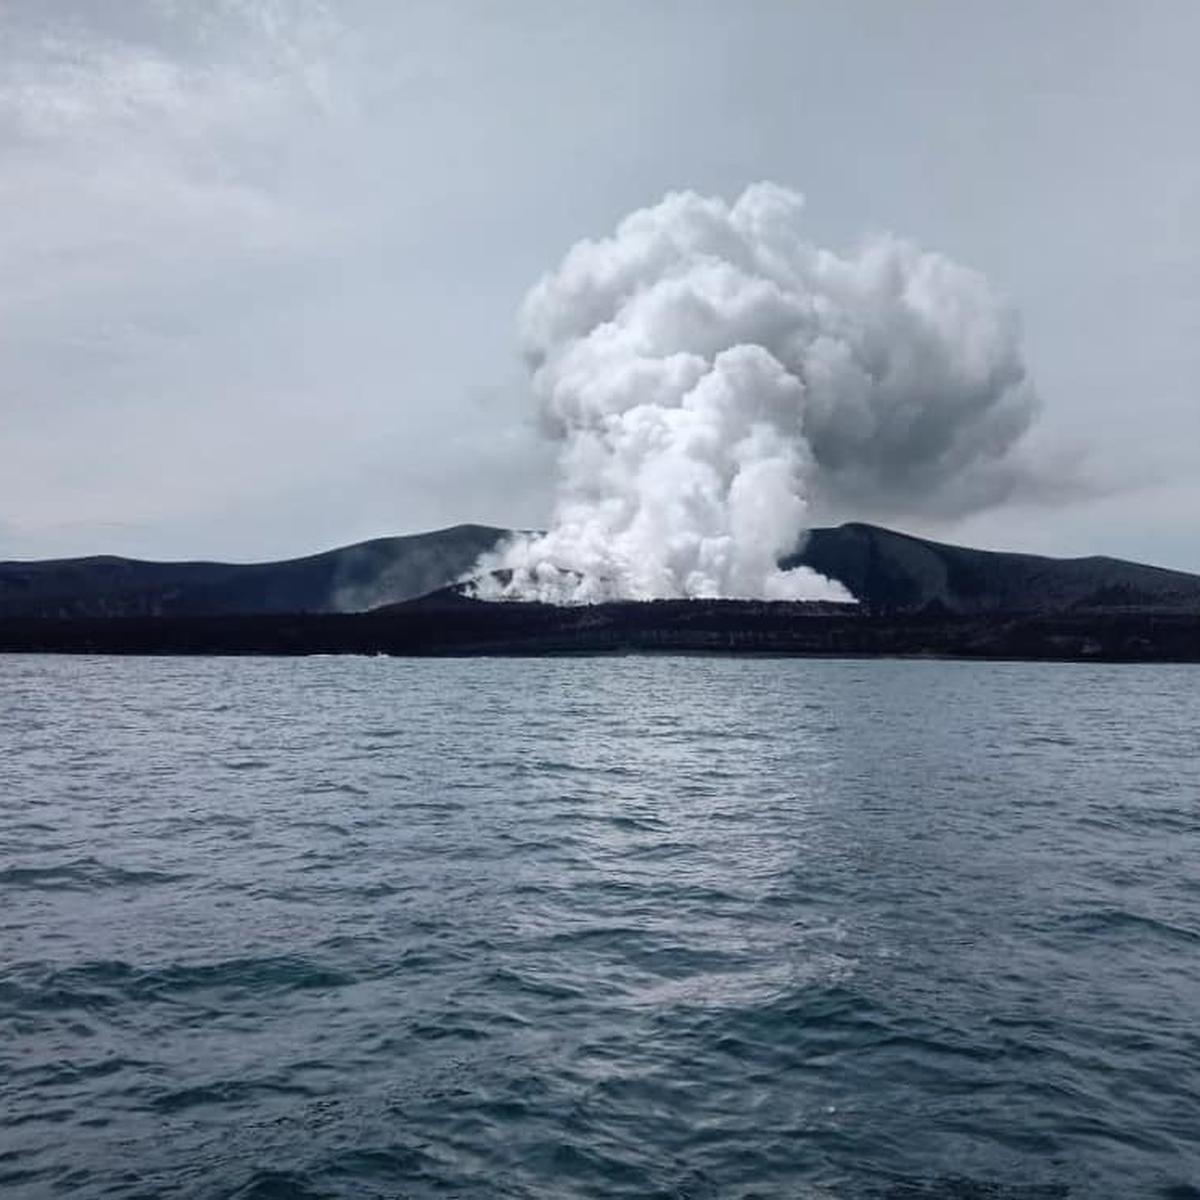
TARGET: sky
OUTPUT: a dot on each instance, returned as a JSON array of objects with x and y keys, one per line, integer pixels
[{"x": 263, "y": 259}]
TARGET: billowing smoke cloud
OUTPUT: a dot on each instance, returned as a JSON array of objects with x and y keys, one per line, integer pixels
[{"x": 709, "y": 374}]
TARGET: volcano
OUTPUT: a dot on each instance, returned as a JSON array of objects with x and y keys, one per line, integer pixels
[{"x": 887, "y": 571}]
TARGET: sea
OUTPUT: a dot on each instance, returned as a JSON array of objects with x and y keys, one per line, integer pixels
[{"x": 674, "y": 927}]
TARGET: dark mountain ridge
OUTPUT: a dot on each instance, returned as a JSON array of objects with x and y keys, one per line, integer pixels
[
  {"x": 349, "y": 579},
  {"x": 888, "y": 572},
  {"x": 897, "y": 572}
]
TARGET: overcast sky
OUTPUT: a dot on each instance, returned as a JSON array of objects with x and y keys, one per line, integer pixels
[{"x": 262, "y": 259}]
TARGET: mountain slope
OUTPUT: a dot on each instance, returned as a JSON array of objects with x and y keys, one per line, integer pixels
[
  {"x": 896, "y": 572},
  {"x": 349, "y": 579}
]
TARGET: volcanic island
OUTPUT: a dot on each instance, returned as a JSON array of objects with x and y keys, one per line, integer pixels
[{"x": 413, "y": 596}]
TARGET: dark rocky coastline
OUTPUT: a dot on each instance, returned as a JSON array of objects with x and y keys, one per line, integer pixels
[{"x": 463, "y": 627}]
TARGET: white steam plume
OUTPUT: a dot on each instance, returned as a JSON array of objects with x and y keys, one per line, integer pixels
[{"x": 708, "y": 373}]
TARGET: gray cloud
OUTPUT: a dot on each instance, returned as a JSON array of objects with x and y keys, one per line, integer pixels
[{"x": 260, "y": 255}]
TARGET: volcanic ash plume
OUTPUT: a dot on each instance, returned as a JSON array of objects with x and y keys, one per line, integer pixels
[{"x": 708, "y": 373}]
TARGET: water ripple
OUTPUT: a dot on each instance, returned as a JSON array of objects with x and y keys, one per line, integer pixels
[{"x": 634, "y": 928}]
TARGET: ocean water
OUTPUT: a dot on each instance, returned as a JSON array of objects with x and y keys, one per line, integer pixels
[{"x": 627, "y": 927}]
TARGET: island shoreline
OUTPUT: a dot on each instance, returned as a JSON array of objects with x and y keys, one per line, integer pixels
[{"x": 462, "y": 628}]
